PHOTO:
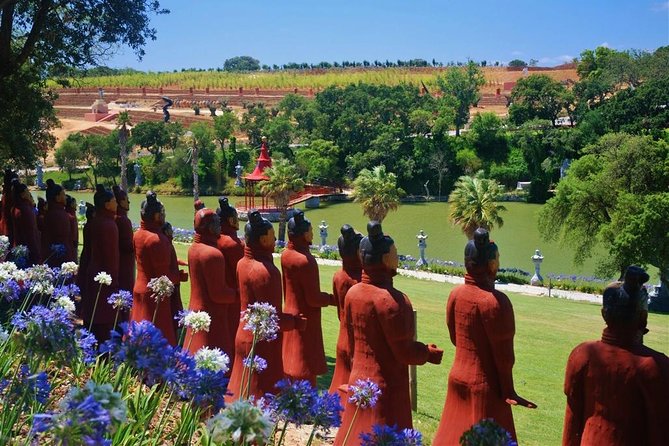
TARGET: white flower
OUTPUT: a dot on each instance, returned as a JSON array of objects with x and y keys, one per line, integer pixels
[
  {"x": 103, "y": 278},
  {"x": 261, "y": 319},
  {"x": 4, "y": 247},
  {"x": 197, "y": 321},
  {"x": 69, "y": 269},
  {"x": 20, "y": 275},
  {"x": 7, "y": 270},
  {"x": 212, "y": 359},
  {"x": 241, "y": 420},
  {"x": 4, "y": 335},
  {"x": 42, "y": 288},
  {"x": 65, "y": 303},
  {"x": 161, "y": 288}
]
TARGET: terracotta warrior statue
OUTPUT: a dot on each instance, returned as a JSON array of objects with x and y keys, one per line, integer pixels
[
  {"x": 303, "y": 351},
  {"x": 153, "y": 254},
  {"x": 71, "y": 209},
  {"x": 6, "y": 226},
  {"x": 232, "y": 248},
  {"x": 349, "y": 274},
  {"x": 57, "y": 228},
  {"x": 208, "y": 289},
  {"x": 104, "y": 257},
  {"x": 260, "y": 281},
  {"x": 380, "y": 331},
  {"x": 126, "y": 277},
  {"x": 24, "y": 222},
  {"x": 618, "y": 389},
  {"x": 481, "y": 326},
  {"x": 85, "y": 257}
]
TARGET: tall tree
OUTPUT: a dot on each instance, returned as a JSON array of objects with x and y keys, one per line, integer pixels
[
  {"x": 377, "y": 191},
  {"x": 472, "y": 204},
  {"x": 38, "y": 37},
  {"x": 460, "y": 86},
  {"x": 152, "y": 136},
  {"x": 241, "y": 63},
  {"x": 589, "y": 200},
  {"x": 284, "y": 181},
  {"x": 536, "y": 97}
]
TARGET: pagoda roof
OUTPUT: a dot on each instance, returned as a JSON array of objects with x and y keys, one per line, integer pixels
[{"x": 264, "y": 161}]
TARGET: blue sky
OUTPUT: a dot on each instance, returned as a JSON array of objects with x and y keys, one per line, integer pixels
[{"x": 203, "y": 33}]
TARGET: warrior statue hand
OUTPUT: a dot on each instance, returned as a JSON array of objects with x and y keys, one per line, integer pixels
[
  {"x": 434, "y": 354},
  {"x": 517, "y": 400}
]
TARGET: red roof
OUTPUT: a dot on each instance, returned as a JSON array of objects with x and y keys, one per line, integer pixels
[{"x": 264, "y": 161}]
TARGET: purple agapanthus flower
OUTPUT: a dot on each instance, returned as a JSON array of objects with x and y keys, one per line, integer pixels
[
  {"x": 383, "y": 435},
  {"x": 293, "y": 401},
  {"x": 122, "y": 300},
  {"x": 47, "y": 331},
  {"x": 58, "y": 250},
  {"x": 208, "y": 389},
  {"x": 10, "y": 290},
  {"x": 364, "y": 393},
  {"x": 261, "y": 318},
  {"x": 32, "y": 386},
  {"x": 412, "y": 437},
  {"x": 70, "y": 290},
  {"x": 87, "y": 343},
  {"x": 258, "y": 364},
  {"x": 142, "y": 346},
  {"x": 325, "y": 412}
]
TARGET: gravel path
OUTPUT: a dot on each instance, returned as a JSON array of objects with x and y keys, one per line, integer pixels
[{"x": 521, "y": 289}]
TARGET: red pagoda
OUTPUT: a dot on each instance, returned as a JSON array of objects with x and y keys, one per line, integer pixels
[{"x": 264, "y": 161}]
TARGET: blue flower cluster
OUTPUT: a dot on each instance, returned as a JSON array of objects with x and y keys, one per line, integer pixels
[
  {"x": 143, "y": 347},
  {"x": 27, "y": 386},
  {"x": 364, "y": 393},
  {"x": 86, "y": 416},
  {"x": 58, "y": 250},
  {"x": 70, "y": 291},
  {"x": 47, "y": 332},
  {"x": 10, "y": 290},
  {"x": 382, "y": 435},
  {"x": 300, "y": 403}
]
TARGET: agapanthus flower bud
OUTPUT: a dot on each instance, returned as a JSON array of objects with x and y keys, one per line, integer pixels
[
  {"x": 103, "y": 278},
  {"x": 197, "y": 321},
  {"x": 69, "y": 269},
  {"x": 121, "y": 300},
  {"x": 212, "y": 359},
  {"x": 161, "y": 288},
  {"x": 364, "y": 393},
  {"x": 261, "y": 318}
]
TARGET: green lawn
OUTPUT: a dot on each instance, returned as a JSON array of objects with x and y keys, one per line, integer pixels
[
  {"x": 517, "y": 239},
  {"x": 546, "y": 331}
]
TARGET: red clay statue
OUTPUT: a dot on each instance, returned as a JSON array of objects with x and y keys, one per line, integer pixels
[
  {"x": 233, "y": 250},
  {"x": 126, "y": 275},
  {"x": 208, "y": 289},
  {"x": 104, "y": 257},
  {"x": 153, "y": 253},
  {"x": 24, "y": 223},
  {"x": 303, "y": 351},
  {"x": 617, "y": 388},
  {"x": 481, "y": 326},
  {"x": 57, "y": 228},
  {"x": 260, "y": 281},
  {"x": 380, "y": 331},
  {"x": 349, "y": 274}
]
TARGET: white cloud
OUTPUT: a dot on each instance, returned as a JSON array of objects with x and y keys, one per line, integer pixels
[
  {"x": 659, "y": 7},
  {"x": 555, "y": 60}
]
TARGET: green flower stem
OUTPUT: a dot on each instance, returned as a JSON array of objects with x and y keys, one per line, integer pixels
[
  {"x": 350, "y": 426},
  {"x": 311, "y": 436},
  {"x": 95, "y": 307},
  {"x": 283, "y": 433},
  {"x": 155, "y": 312}
]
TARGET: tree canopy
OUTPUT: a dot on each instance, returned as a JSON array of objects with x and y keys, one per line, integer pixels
[
  {"x": 616, "y": 176},
  {"x": 376, "y": 190},
  {"x": 460, "y": 87},
  {"x": 473, "y": 204},
  {"x": 241, "y": 63}
]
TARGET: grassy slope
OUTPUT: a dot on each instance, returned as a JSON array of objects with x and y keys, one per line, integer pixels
[{"x": 546, "y": 331}]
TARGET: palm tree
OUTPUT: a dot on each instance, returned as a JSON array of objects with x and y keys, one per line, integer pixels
[
  {"x": 284, "y": 181},
  {"x": 377, "y": 192},
  {"x": 473, "y": 205},
  {"x": 122, "y": 122}
]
